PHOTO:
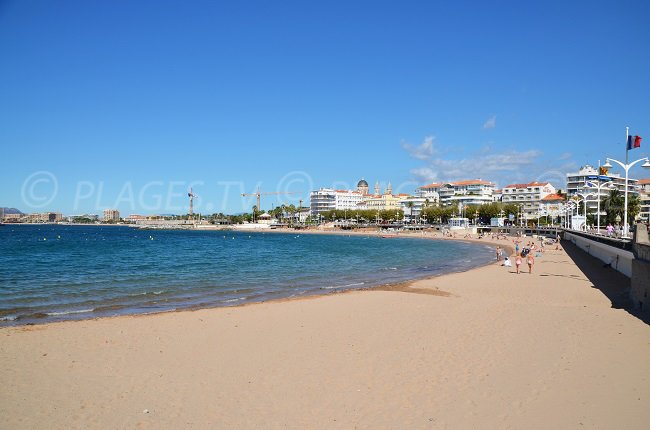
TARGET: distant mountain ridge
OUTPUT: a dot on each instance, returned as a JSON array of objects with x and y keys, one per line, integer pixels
[{"x": 8, "y": 211}]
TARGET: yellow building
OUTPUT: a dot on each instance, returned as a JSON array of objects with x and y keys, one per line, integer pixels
[{"x": 385, "y": 201}]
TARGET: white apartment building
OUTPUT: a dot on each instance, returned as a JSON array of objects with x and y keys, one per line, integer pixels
[
  {"x": 644, "y": 195},
  {"x": 497, "y": 195},
  {"x": 413, "y": 206},
  {"x": 575, "y": 183},
  {"x": 528, "y": 196},
  {"x": 471, "y": 192},
  {"x": 327, "y": 199}
]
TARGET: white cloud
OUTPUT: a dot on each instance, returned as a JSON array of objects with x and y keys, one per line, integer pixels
[
  {"x": 490, "y": 123},
  {"x": 424, "y": 151},
  {"x": 565, "y": 156},
  {"x": 492, "y": 166},
  {"x": 503, "y": 167},
  {"x": 424, "y": 175}
]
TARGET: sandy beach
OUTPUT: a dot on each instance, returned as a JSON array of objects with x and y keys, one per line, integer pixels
[{"x": 485, "y": 348}]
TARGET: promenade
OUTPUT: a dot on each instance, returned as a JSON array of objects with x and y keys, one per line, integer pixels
[{"x": 485, "y": 348}]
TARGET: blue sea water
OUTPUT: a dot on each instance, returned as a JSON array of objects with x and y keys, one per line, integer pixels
[{"x": 57, "y": 272}]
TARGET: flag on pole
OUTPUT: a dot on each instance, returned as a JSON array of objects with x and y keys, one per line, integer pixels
[{"x": 633, "y": 142}]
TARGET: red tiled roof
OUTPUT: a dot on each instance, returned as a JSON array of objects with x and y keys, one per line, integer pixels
[
  {"x": 434, "y": 185},
  {"x": 552, "y": 197},
  {"x": 472, "y": 182},
  {"x": 532, "y": 184},
  {"x": 458, "y": 183},
  {"x": 644, "y": 181}
]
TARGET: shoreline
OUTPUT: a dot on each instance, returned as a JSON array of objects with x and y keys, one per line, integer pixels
[{"x": 396, "y": 286}]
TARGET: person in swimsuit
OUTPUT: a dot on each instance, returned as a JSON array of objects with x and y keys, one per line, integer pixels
[
  {"x": 518, "y": 262},
  {"x": 530, "y": 260}
]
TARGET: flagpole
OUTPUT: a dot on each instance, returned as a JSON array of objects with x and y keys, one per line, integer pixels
[{"x": 627, "y": 150}]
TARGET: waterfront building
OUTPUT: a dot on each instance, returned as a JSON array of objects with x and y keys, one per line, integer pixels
[
  {"x": 528, "y": 197},
  {"x": 265, "y": 219},
  {"x": 552, "y": 206},
  {"x": 327, "y": 199},
  {"x": 460, "y": 193},
  {"x": 45, "y": 217},
  {"x": 302, "y": 215},
  {"x": 111, "y": 215},
  {"x": 13, "y": 217},
  {"x": 134, "y": 218},
  {"x": 497, "y": 195},
  {"x": 383, "y": 202},
  {"x": 412, "y": 206},
  {"x": 644, "y": 196},
  {"x": 575, "y": 183}
]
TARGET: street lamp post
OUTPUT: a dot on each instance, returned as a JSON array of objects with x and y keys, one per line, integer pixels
[
  {"x": 585, "y": 196},
  {"x": 627, "y": 166},
  {"x": 569, "y": 209},
  {"x": 599, "y": 187}
]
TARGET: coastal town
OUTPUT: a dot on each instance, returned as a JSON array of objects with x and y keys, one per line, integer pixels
[
  {"x": 419, "y": 215},
  {"x": 591, "y": 198}
]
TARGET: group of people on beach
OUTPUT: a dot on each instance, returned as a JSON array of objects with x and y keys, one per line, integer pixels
[{"x": 527, "y": 254}]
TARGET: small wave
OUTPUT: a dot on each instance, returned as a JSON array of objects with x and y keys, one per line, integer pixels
[
  {"x": 9, "y": 318},
  {"x": 146, "y": 293},
  {"x": 78, "y": 311},
  {"x": 234, "y": 300},
  {"x": 334, "y": 287}
]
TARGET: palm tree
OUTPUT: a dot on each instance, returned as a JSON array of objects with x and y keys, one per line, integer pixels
[
  {"x": 613, "y": 205},
  {"x": 633, "y": 207}
]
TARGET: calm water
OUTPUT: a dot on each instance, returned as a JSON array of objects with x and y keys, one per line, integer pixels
[{"x": 52, "y": 272}]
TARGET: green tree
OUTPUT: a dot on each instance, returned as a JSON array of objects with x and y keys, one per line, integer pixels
[
  {"x": 633, "y": 207},
  {"x": 489, "y": 211},
  {"x": 471, "y": 212},
  {"x": 613, "y": 204}
]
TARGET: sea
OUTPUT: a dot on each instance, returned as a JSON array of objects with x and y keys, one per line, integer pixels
[{"x": 65, "y": 272}]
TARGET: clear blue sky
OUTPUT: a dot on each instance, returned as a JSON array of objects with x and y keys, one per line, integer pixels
[{"x": 127, "y": 103}]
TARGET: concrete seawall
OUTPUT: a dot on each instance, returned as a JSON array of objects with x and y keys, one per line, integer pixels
[
  {"x": 630, "y": 259},
  {"x": 618, "y": 259}
]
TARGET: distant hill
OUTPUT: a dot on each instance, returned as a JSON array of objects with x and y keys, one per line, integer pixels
[{"x": 8, "y": 211}]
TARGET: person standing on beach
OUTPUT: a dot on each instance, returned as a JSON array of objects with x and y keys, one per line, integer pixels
[
  {"x": 498, "y": 251},
  {"x": 530, "y": 260},
  {"x": 518, "y": 262}
]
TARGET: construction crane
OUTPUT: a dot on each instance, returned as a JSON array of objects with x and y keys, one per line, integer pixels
[
  {"x": 191, "y": 195},
  {"x": 258, "y": 194}
]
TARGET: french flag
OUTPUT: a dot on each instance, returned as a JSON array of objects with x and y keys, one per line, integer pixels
[{"x": 633, "y": 142}]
